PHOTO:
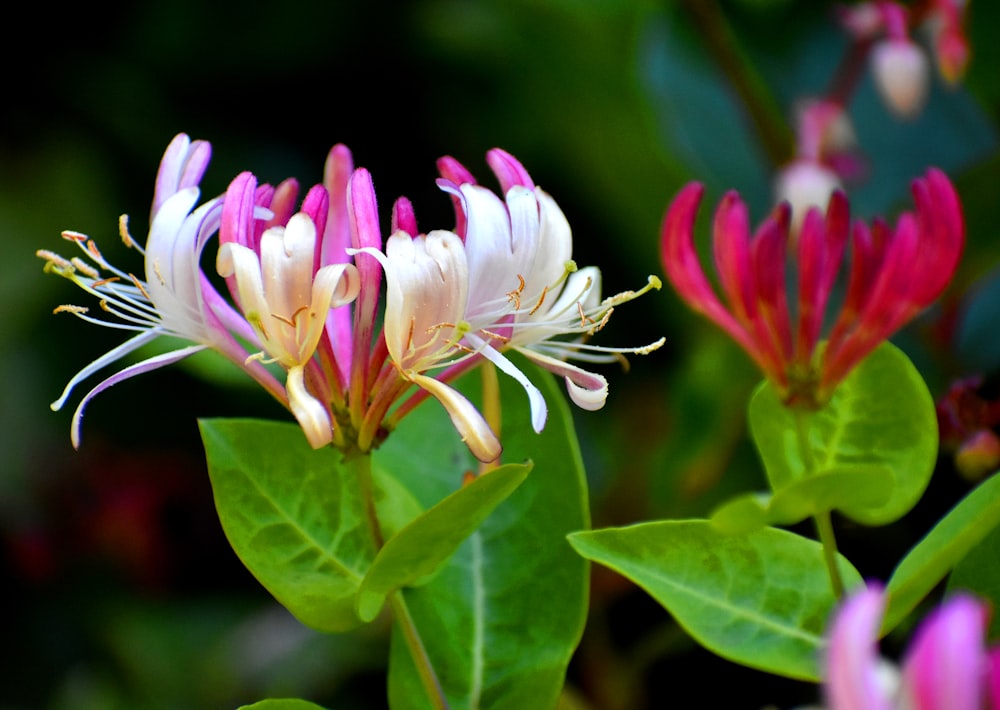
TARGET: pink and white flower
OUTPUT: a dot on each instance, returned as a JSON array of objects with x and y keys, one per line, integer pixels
[
  {"x": 504, "y": 279},
  {"x": 946, "y": 667},
  {"x": 175, "y": 298}
]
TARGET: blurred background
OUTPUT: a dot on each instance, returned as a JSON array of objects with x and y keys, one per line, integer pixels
[{"x": 122, "y": 591}]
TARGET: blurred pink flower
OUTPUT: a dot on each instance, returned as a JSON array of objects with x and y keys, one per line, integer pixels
[
  {"x": 894, "y": 274},
  {"x": 946, "y": 667}
]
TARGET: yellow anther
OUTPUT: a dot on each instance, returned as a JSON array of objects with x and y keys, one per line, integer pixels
[
  {"x": 105, "y": 282},
  {"x": 541, "y": 300},
  {"x": 85, "y": 268},
  {"x": 497, "y": 336},
  {"x": 123, "y": 231},
  {"x": 70, "y": 309},
  {"x": 138, "y": 284},
  {"x": 54, "y": 260}
]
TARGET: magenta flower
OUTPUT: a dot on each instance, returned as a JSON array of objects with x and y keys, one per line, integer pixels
[
  {"x": 894, "y": 274},
  {"x": 175, "y": 298},
  {"x": 946, "y": 667}
]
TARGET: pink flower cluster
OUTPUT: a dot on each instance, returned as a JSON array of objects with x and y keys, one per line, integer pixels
[
  {"x": 895, "y": 272},
  {"x": 304, "y": 283}
]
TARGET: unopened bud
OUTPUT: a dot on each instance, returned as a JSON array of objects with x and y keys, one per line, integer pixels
[
  {"x": 978, "y": 455},
  {"x": 901, "y": 75},
  {"x": 804, "y": 184},
  {"x": 952, "y": 52}
]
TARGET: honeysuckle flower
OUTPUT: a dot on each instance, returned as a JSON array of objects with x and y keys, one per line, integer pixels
[
  {"x": 895, "y": 273},
  {"x": 504, "y": 279},
  {"x": 287, "y": 305},
  {"x": 427, "y": 286},
  {"x": 175, "y": 298},
  {"x": 946, "y": 667},
  {"x": 291, "y": 276}
]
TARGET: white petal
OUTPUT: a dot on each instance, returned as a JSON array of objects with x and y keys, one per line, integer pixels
[
  {"x": 103, "y": 361},
  {"x": 471, "y": 426},
  {"x": 588, "y": 390},
  {"x": 310, "y": 413},
  {"x": 555, "y": 241},
  {"x": 539, "y": 410},
  {"x": 130, "y": 371}
]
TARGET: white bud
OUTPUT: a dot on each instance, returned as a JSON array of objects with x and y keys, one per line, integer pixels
[
  {"x": 804, "y": 184},
  {"x": 901, "y": 75}
]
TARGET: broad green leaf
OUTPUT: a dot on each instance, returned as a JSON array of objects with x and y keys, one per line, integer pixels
[
  {"x": 804, "y": 498},
  {"x": 881, "y": 416},
  {"x": 281, "y": 704},
  {"x": 965, "y": 526},
  {"x": 979, "y": 573},
  {"x": 502, "y": 618},
  {"x": 420, "y": 548},
  {"x": 293, "y": 515},
  {"x": 760, "y": 599}
]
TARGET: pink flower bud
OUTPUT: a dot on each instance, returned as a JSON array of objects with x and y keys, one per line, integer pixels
[{"x": 901, "y": 75}]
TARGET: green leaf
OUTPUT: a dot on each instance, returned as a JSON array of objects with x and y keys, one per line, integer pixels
[
  {"x": 979, "y": 573},
  {"x": 419, "y": 549},
  {"x": 502, "y": 618},
  {"x": 281, "y": 704},
  {"x": 760, "y": 599},
  {"x": 958, "y": 532},
  {"x": 293, "y": 515},
  {"x": 801, "y": 499},
  {"x": 880, "y": 417}
]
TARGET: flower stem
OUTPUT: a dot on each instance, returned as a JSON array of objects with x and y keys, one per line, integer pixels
[
  {"x": 824, "y": 529},
  {"x": 367, "y": 485},
  {"x": 400, "y": 612},
  {"x": 823, "y": 521},
  {"x": 417, "y": 651}
]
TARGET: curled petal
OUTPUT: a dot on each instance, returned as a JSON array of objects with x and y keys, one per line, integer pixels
[
  {"x": 539, "y": 410},
  {"x": 588, "y": 390},
  {"x": 131, "y": 371},
  {"x": 106, "y": 359},
  {"x": 310, "y": 413},
  {"x": 471, "y": 425}
]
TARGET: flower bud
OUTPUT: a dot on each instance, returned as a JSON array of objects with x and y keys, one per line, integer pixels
[
  {"x": 901, "y": 75},
  {"x": 978, "y": 455},
  {"x": 804, "y": 184}
]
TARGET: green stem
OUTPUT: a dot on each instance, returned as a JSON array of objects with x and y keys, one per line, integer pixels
[
  {"x": 364, "y": 468},
  {"x": 824, "y": 524},
  {"x": 417, "y": 651},
  {"x": 400, "y": 612},
  {"x": 824, "y": 528},
  {"x": 765, "y": 116}
]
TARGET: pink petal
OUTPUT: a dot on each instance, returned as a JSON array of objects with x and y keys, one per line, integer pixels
[
  {"x": 508, "y": 170},
  {"x": 946, "y": 663},
  {"x": 851, "y": 665}
]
